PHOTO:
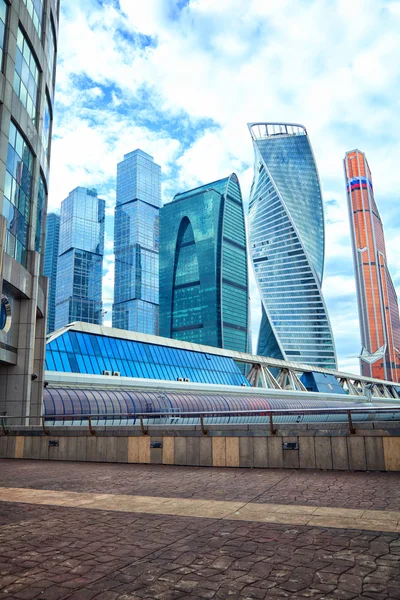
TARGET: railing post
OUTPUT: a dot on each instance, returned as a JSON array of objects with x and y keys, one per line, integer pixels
[
  {"x": 144, "y": 431},
  {"x": 351, "y": 426},
  {"x": 92, "y": 431},
  {"x": 45, "y": 431},
  {"x": 271, "y": 424},
  {"x": 3, "y": 427},
  {"x": 203, "y": 430}
]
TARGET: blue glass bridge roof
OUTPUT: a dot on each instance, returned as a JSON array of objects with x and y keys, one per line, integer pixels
[{"x": 82, "y": 352}]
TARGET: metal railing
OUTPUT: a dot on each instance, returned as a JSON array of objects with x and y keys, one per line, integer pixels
[{"x": 141, "y": 417}]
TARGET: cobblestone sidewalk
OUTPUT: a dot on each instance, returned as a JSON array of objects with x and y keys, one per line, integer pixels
[{"x": 57, "y": 552}]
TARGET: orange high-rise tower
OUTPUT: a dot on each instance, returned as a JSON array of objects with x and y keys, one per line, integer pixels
[{"x": 377, "y": 299}]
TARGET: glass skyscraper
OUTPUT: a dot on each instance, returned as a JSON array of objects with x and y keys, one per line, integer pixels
[
  {"x": 28, "y": 52},
  {"x": 203, "y": 267},
  {"x": 286, "y": 234},
  {"x": 378, "y": 306},
  {"x": 136, "y": 243},
  {"x": 50, "y": 265},
  {"x": 80, "y": 261}
]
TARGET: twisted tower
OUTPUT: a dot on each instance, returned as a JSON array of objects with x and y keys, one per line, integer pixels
[{"x": 286, "y": 231}]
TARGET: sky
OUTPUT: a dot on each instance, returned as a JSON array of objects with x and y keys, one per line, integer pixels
[{"x": 181, "y": 79}]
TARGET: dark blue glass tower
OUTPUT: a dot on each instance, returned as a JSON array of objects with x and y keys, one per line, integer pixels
[
  {"x": 203, "y": 267},
  {"x": 80, "y": 262},
  {"x": 50, "y": 265},
  {"x": 136, "y": 243},
  {"x": 286, "y": 233}
]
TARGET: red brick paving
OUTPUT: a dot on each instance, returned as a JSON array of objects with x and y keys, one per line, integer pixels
[{"x": 52, "y": 553}]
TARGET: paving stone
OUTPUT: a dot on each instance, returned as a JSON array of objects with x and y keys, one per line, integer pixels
[
  {"x": 59, "y": 552},
  {"x": 83, "y": 595},
  {"x": 54, "y": 593}
]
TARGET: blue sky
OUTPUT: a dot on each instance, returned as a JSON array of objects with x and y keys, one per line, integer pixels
[{"x": 181, "y": 78}]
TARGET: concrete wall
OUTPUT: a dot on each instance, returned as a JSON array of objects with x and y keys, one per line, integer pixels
[{"x": 369, "y": 449}]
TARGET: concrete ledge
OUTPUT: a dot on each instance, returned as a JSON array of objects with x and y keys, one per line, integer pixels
[{"x": 333, "y": 449}]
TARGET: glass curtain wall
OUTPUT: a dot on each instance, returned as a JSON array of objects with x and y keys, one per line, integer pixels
[
  {"x": 17, "y": 194},
  {"x": 80, "y": 262},
  {"x": 203, "y": 267},
  {"x": 77, "y": 352},
  {"x": 136, "y": 244},
  {"x": 286, "y": 233}
]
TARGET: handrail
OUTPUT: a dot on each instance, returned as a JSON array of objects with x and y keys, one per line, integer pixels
[
  {"x": 259, "y": 411},
  {"x": 269, "y": 413},
  {"x": 217, "y": 413}
]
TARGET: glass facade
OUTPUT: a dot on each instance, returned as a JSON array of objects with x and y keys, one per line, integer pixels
[
  {"x": 136, "y": 243},
  {"x": 25, "y": 125},
  {"x": 286, "y": 233},
  {"x": 50, "y": 265},
  {"x": 203, "y": 267},
  {"x": 377, "y": 299},
  {"x": 46, "y": 131},
  {"x": 35, "y": 10},
  {"x": 26, "y": 75},
  {"x": 80, "y": 262},
  {"x": 51, "y": 53},
  {"x": 65, "y": 402},
  {"x": 17, "y": 194},
  {"x": 3, "y": 20},
  {"x": 78, "y": 352},
  {"x": 40, "y": 214}
]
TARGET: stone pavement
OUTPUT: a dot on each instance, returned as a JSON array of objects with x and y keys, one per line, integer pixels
[
  {"x": 321, "y": 516},
  {"x": 52, "y": 552}
]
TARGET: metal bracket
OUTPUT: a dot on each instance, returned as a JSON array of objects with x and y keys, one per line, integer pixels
[
  {"x": 203, "y": 430},
  {"x": 45, "y": 431},
  {"x": 92, "y": 431},
  {"x": 271, "y": 424},
  {"x": 3, "y": 427},
  {"x": 142, "y": 427},
  {"x": 351, "y": 426}
]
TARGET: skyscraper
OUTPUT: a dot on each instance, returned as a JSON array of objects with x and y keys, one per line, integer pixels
[
  {"x": 28, "y": 47},
  {"x": 378, "y": 307},
  {"x": 286, "y": 232},
  {"x": 50, "y": 265},
  {"x": 136, "y": 243},
  {"x": 80, "y": 261},
  {"x": 203, "y": 267}
]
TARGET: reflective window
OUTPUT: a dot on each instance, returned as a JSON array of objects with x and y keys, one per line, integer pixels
[
  {"x": 136, "y": 244},
  {"x": 108, "y": 403},
  {"x": 116, "y": 355},
  {"x": 46, "y": 131},
  {"x": 26, "y": 75},
  {"x": 35, "y": 9},
  {"x": 17, "y": 195},
  {"x": 40, "y": 214},
  {"x": 50, "y": 266},
  {"x": 80, "y": 261},
  {"x": 51, "y": 52},
  {"x": 3, "y": 20},
  {"x": 203, "y": 267},
  {"x": 286, "y": 231}
]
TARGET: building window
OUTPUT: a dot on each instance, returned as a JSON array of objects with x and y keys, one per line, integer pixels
[
  {"x": 51, "y": 52},
  {"x": 35, "y": 10},
  {"x": 17, "y": 194},
  {"x": 46, "y": 131},
  {"x": 26, "y": 76},
  {"x": 39, "y": 214},
  {"x": 3, "y": 18}
]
